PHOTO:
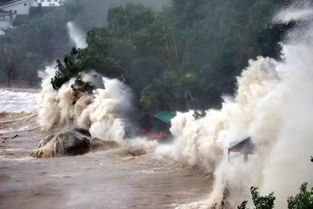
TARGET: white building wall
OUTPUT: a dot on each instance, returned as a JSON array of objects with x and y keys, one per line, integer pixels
[
  {"x": 6, "y": 22},
  {"x": 20, "y": 8},
  {"x": 46, "y": 3}
]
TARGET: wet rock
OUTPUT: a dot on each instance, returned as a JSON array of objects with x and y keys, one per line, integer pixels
[{"x": 69, "y": 143}]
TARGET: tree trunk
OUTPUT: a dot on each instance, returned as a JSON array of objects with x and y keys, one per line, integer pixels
[{"x": 9, "y": 78}]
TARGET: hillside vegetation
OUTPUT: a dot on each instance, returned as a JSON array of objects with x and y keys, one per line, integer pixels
[{"x": 184, "y": 56}]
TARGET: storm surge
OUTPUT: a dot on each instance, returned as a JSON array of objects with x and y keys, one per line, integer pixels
[
  {"x": 103, "y": 112},
  {"x": 272, "y": 107},
  {"x": 100, "y": 112}
]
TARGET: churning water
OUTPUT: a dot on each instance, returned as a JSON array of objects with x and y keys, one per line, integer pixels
[{"x": 272, "y": 105}]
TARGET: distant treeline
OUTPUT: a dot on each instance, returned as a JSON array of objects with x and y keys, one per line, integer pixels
[
  {"x": 28, "y": 48},
  {"x": 184, "y": 56}
]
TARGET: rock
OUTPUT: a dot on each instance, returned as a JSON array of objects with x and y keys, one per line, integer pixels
[{"x": 69, "y": 143}]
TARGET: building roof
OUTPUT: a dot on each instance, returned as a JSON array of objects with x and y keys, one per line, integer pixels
[
  {"x": 244, "y": 144},
  {"x": 166, "y": 117},
  {"x": 4, "y": 12}
]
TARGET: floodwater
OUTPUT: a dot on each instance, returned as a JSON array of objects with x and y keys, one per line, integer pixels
[{"x": 110, "y": 179}]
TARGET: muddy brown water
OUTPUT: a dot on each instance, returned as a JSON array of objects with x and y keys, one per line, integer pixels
[{"x": 104, "y": 179}]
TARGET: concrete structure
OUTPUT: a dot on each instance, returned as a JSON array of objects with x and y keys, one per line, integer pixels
[
  {"x": 243, "y": 146},
  {"x": 19, "y": 10},
  {"x": 46, "y": 3},
  {"x": 6, "y": 20},
  {"x": 17, "y": 7},
  {"x": 22, "y": 7}
]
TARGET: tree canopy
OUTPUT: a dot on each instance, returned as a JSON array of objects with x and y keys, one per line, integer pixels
[
  {"x": 183, "y": 56},
  {"x": 186, "y": 55}
]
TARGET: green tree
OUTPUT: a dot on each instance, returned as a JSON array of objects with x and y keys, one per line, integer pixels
[
  {"x": 186, "y": 55},
  {"x": 260, "y": 202},
  {"x": 303, "y": 200},
  {"x": 70, "y": 68}
]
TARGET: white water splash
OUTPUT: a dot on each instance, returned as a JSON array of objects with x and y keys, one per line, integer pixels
[
  {"x": 76, "y": 35},
  {"x": 103, "y": 112},
  {"x": 273, "y": 106}
]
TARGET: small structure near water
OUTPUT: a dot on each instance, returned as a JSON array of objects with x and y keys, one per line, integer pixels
[
  {"x": 244, "y": 146},
  {"x": 156, "y": 126},
  {"x": 18, "y": 12}
]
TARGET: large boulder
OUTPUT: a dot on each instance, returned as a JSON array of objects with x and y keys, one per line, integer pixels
[{"x": 74, "y": 142}]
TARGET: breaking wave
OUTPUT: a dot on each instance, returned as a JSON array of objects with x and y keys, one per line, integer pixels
[
  {"x": 101, "y": 112},
  {"x": 11, "y": 101},
  {"x": 105, "y": 112},
  {"x": 272, "y": 109}
]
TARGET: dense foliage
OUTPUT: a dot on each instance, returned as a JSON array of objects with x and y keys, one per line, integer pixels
[
  {"x": 260, "y": 202},
  {"x": 36, "y": 43},
  {"x": 302, "y": 200},
  {"x": 44, "y": 37},
  {"x": 188, "y": 54},
  {"x": 71, "y": 67},
  {"x": 183, "y": 56}
]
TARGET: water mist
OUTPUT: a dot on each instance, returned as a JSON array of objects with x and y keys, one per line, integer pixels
[
  {"x": 76, "y": 35},
  {"x": 272, "y": 105}
]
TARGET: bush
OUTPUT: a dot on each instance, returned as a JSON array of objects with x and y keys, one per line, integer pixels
[
  {"x": 303, "y": 200},
  {"x": 260, "y": 202}
]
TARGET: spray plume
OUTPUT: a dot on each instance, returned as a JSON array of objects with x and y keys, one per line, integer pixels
[
  {"x": 76, "y": 35},
  {"x": 102, "y": 112},
  {"x": 273, "y": 106}
]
